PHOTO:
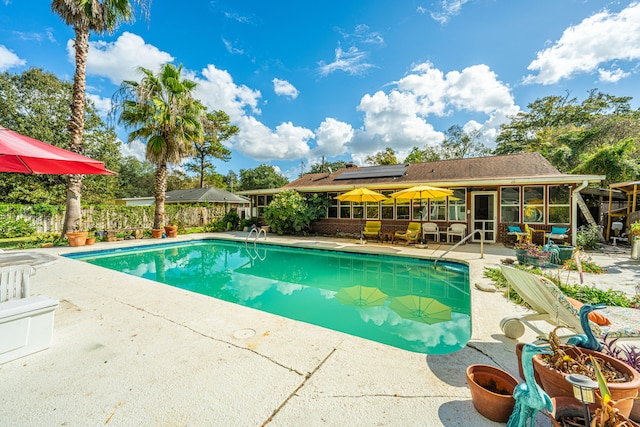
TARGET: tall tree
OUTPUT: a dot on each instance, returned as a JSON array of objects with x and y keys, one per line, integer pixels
[
  {"x": 85, "y": 16},
  {"x": 264, "y": 176},
  {"x": 429, "y": 154},
  {"x": 327, "y": 166},
  {"x": 216, "y": 128},
  {"x": 36, "y": 103},
  {"x": 386, "y": 157},
  {"x": 163, "y": 113},
  {"x": 569, "y": 133},
  {"x": 459, "y": 144}
]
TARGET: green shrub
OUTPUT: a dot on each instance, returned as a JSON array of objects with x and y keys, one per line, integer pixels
[
  {"x": 291, "y": 213},
  {"x": 588, "y": 237}
]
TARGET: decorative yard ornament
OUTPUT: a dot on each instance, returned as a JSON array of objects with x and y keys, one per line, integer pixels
[
  {"x": 588, "y": 339},
  {"x": 530, "y": 398}
]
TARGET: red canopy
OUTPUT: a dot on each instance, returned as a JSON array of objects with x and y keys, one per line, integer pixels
[{"x": 21, "y": 154}]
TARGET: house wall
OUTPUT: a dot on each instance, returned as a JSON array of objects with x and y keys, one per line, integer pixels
[{"x": 539, "y": 212}]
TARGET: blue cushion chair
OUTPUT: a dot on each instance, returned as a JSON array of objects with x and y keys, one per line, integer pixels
[{"x": 557, "y": 233}]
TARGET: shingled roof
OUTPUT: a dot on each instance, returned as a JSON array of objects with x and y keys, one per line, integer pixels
[
  {"x": 200, "y": 195},
  {"x": 523, "y": 167}
]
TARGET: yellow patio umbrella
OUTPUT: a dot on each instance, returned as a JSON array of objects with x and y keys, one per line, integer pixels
[
  {"x": 361, "y": 195},
  {"x": 361, "y": 296},
  {"x": 422, "y": 192},
  {"x": 421, "y": 309}
]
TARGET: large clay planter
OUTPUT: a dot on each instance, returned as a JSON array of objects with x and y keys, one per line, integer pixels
[
  {"x": 90, "y": 241},
  {"x": 494, "y": 406},
  {"x": 553, "y": 382},
  {"x": 156, "y": 233},
  {"x": 77, "y": 238},
  {"x": 171, "y": 230}
]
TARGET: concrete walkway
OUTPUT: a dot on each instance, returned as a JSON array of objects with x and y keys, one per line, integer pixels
[{"x": 131, "y": 352}]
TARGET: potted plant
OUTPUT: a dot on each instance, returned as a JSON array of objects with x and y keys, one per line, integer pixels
[
  {"x": 171, "y": 230},
  {"x": 77, "y": 237},
  {"x": 491, "y": 391},
  {"x": 551, "y": 371},
  {"x": 569, "y": 412},
  {"x": 157, "y": 233}
]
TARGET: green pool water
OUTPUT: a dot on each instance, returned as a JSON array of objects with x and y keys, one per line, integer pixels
[{"x": 398, "y": 301}]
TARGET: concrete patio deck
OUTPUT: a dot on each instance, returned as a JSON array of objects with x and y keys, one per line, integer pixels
[{"x": 132, "y": 352}]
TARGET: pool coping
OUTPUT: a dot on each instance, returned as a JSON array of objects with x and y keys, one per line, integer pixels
[{"x": 127, "y": 352}]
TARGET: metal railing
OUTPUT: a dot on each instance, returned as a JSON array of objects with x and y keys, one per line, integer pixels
[
  {"x": 467, "y": 237},
  {"x": 258, "y": 231}
]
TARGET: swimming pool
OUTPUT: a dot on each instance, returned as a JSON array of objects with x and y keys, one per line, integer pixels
[{"x": 398, "y": 301}]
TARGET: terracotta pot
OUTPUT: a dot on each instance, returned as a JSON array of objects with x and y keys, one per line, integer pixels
[
  {"x": 494, "y": 406},
  {"x": 77, "y": 238},
  {"x": 553, "y": 382},
  {"x": 171, "y": 230},
  {"x": 156, "y": 233},
  {"x": 564, "y": 406},
  {"x": 90, "y": 241}
]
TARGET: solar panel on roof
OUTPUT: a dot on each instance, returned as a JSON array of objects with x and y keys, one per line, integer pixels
[{"x": 385, "y": 171}]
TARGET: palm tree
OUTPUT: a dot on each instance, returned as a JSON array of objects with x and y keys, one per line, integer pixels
[
  {"x": 86, "y": 16},
  {"x": 163, "y": 113}
]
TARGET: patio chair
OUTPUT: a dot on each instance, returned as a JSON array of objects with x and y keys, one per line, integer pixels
[
  {"x": 411, "y": 235},
  {"x": 549, "y": 304},
  {"x": 516, "y": 231},
  {"x": 372, "y": 230},
  {"x": 430, "y": 228},
  {"x": 456, "y": 230},
  {"x": 557, "y": 233}
]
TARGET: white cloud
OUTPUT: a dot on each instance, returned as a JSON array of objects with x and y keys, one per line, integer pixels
[
  {"x": 332, "y": 137},
  {"x": 136, "y": 149},
  {"x": 256, "y": 140},
  {"x": 218, "y": 91},
  {"x": 597, "y": 40},
  {"x": 284, "y": 88},
  {"x": 363, "y": 34},
  {"x": 446, "y": 9},
  {"x": 351, "y": 62},
  {"x": 612, "y": 76},
  {"x": 103, "y": 105},
  {"x": 230, "y": 48},
  {"x": 8, "y": 59},
  {"x": 399, "y": 118},
  {"x": 119, "y": 60}
]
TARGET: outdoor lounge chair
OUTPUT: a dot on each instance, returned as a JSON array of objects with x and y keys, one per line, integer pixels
[
  {"x": 372, "y": 230},
  {"x": 549, "y": 304},
  {"x": 456, "y": 230},
  {"x": 411, "y": 235},
  {"x": 430, "y": 228}
]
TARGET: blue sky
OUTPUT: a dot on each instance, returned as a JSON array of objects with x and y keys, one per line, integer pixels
[{"x": 345, "y": 79}]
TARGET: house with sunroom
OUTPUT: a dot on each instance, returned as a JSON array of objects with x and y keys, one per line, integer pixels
[{"x": 490, "y": 194}]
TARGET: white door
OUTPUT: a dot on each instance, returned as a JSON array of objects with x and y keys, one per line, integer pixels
[{"x": 484, "y": 215}]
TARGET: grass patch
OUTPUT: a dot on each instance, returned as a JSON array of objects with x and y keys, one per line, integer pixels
[{"x": 583, "y": 293}]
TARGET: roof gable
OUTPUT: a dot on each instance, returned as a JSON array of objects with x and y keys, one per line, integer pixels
[{"x": 523, "y": 165}]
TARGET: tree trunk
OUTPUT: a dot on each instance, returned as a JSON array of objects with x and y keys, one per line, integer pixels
[
  {"x": 76, "y": 127},
  {"x": 160, "y": 190}
]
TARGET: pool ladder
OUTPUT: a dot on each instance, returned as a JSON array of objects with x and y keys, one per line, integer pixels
[
  {"x": 461, "y": 242},
  {"x": 258, "y": 232}
]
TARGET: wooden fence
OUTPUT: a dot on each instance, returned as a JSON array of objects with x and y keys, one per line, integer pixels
[{"x": 111, "y": 217}]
